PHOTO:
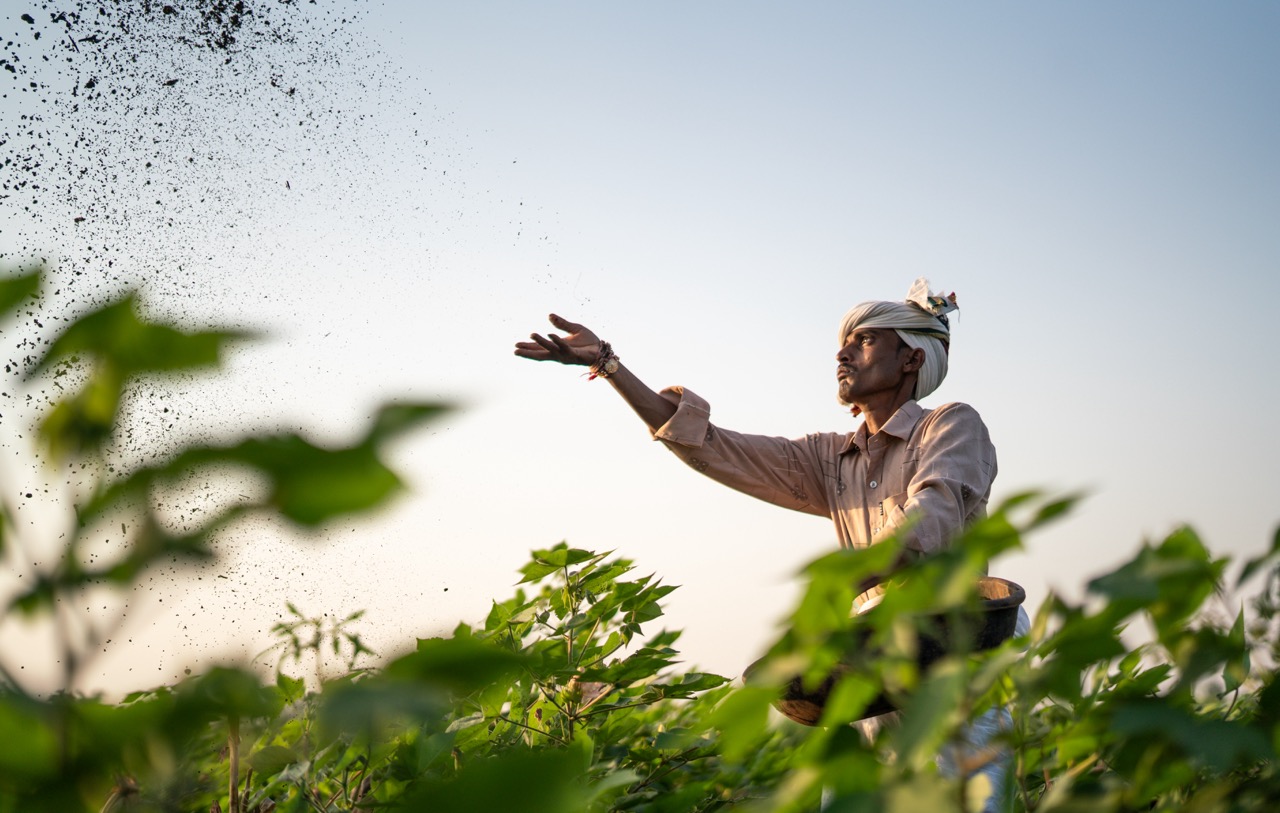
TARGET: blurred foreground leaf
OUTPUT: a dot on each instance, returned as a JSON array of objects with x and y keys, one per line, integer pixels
[{"x": 17, "y": 289}]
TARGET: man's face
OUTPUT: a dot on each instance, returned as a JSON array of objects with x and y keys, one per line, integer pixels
[{"x": 873, "y": 361}]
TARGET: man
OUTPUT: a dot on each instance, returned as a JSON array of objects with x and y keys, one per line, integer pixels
[{"x": 934, "y": 466}]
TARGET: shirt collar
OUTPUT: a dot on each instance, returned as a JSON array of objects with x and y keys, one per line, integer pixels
[{"x": 900, "y": 426}]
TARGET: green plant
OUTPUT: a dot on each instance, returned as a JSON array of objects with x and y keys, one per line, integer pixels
[
  {"x": 314, "y": 636},
  {"x": 72, "y": 749},
  {"x": 562, "y": 700},
  {"x": 1186, "y": 721}
]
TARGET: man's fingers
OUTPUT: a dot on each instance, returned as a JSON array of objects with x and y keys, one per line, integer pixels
[
  {"x": 553, "y": 347},
  {"x": 549, "y": 347},
  {"x": 531, "y": 350},
  {"x": 560, "y": 344},
  {"x": 546, "y": 343},
  {"x": 565, "y": 324}
]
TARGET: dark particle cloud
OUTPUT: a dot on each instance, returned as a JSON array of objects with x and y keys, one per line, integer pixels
[{"x": 163, "y": 147}]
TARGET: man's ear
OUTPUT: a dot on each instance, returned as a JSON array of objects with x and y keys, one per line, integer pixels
[{"x": 915, "y": 361}]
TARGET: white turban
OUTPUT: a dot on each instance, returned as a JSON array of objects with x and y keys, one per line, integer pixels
[{"x": 920, "y": 321}]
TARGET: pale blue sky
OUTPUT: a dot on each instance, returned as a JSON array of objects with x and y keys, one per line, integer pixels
[{"x": 710, "y": 187}]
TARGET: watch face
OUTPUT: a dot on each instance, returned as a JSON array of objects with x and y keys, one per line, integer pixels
[{"x": 611, "y": 366}]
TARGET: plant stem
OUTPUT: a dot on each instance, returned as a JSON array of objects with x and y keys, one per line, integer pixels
[
  {"x": 674, "y": 763},
  {"x": 233, "y": 754},
  {"x": 585, "y": 713},
  {"x": 547, "y": 697},
  {"x": 571, "y": 606},
  {"x": 590, "y": 635},
  {"x": 1080, "y": 768},
  {"x": 546, "y": 734}
]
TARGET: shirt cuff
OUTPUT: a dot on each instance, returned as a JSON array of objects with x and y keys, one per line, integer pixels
[{"x": 688, "y": 427}]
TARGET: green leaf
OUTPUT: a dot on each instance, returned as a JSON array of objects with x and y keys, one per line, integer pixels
[
  {"x": 121, "y": 345},
  {"x": 291, "y": 689},
  {"x": 457, "y": 664},
  {"x": 1080, "y": 642},
  {"x": 536, "y": 570},
  {"x": 641, "y": 665},
  {"x": 37, "y": 599},
  {"x": 1054, "y": 510},
  {"x": 850, "y": 773},
  {"x": 564, "y": 556},
  {"x": 84, "y": 421},
  {"x": 514, "y": 782},
  {"x": 1219, "y": 745},
  {"x": 223, "y": 693},
  {"x": 609, "y": 787},
  {"x": 922, "y": 792},
  {"x": 465, "y": 722},
  {"x": 562, "y": 603},
  {"x": 427, "y": 750},
  {"x": 1146, "y": 682},
  {"x": 742, "y": 719},
  {"x": 1253, "y": 565},
  {"x": 120, "y": 340},
  {"x": 849, "y": 698},
  {"x": 1236, "y": 671},
  {"x": 310, "y": 484},
  {"x": 684, "y": 686},
  {"x": 698, "y": 681},
  {"x": 931, "y": 713},
  {"x": 1079, "y": 742},
  {"x": 394, "y": 419},
  {"x": 272, "y": 759},
  {"x": 307, "y": 483},
  {"x": 15, "y": 290},
  {"x": 29, "y": 741},
  {"x": 375, "y": 707},
  {"x": 602, "y": 579},
  {"x": 677, "y": 739}
]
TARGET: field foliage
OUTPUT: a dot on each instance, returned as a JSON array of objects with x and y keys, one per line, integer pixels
[{"x": 569, "y": 695}]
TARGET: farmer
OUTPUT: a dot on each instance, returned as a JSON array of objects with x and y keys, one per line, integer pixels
[{"x": 934, "y": 466}]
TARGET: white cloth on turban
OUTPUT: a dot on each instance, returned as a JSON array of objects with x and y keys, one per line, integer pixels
[{"x": 920, "y": 321}]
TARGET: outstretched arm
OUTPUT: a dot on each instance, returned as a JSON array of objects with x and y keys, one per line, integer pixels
[
  {"x": 780, "y": 471},
  {"x": 582, "y": 347}
]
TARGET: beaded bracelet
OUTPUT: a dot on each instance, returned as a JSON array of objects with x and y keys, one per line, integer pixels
[{"x": 606, "y": 363}]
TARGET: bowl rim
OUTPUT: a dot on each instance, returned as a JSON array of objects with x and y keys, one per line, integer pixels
[{"x": 1017, "y": 595}]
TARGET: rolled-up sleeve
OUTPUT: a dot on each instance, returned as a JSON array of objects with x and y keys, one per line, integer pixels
[{"x": 787, "y": 473}]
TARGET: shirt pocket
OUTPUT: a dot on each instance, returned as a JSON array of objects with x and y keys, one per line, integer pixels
[{"x": 889, "y": 517}]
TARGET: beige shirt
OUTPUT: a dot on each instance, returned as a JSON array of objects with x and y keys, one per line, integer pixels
[{"x": 935, "y": 465}]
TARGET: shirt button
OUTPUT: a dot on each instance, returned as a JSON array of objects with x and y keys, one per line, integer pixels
[{"x": 873, "y": 483}]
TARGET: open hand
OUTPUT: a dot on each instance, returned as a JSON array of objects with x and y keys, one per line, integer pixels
[{"x": 579, "y": 346}]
